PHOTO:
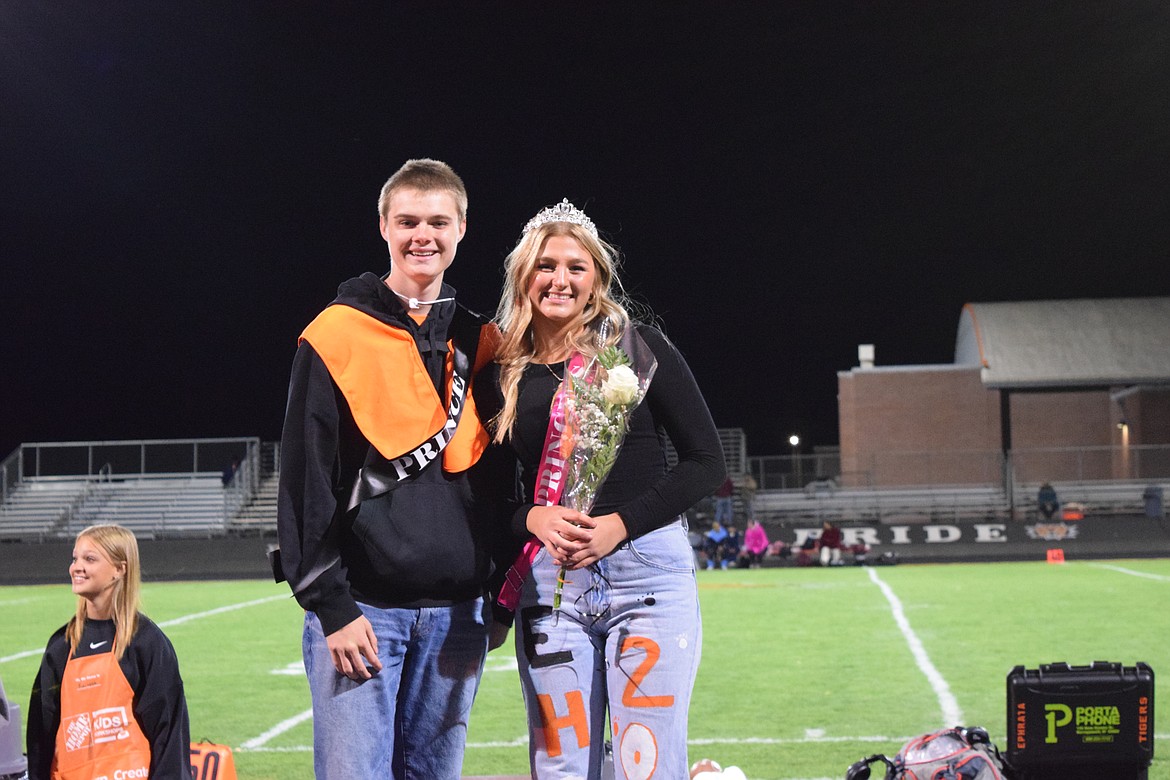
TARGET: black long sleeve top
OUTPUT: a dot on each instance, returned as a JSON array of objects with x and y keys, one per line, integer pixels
[
  {"x": 428, "y": 542},
  {"x": 160, "y": 705},
  {"x": 642, "y": 487}
]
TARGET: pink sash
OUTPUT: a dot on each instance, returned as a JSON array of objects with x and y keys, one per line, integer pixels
[{"x": 550, "y": 483}]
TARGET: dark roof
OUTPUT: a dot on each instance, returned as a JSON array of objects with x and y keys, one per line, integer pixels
[{"x": 1067, "y": 343}]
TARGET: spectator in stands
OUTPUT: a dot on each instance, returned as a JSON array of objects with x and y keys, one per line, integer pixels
[
  {"x": 731, "y": 547},
  {"x": 380, "y": 514},
  {"x": 1047, "y": 502},
  {"x": 724, "y": 502},
  {"x": 806, "y": 554},
  {"x": 755, "y": 544},
  {"x": 229, "y": 472},
  {"x": 713, "y": 544},
  {"x": 109, "y": 656},
  {"x": 747, "y": 495},
  {"x": 860, "y": 552},
  {"x": 830, "y": 545},
  {"x": 628, "y": 593}
]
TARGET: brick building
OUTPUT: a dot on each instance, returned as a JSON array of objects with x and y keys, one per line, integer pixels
[{"x": 1067, "y": 390}]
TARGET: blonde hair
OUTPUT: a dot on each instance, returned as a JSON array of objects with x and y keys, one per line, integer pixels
[
  {"x": 607, "y": 304},
  {"x": 424, "y": 175},
  {"x": 121, "y": 547}
]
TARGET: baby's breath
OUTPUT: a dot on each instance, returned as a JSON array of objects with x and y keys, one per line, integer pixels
[{"x": 597, "y": 427}]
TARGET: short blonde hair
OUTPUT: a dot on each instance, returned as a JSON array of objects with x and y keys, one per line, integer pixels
[
  {"x": 424, "y": 175},
  {"x": 120, "y": 546}
]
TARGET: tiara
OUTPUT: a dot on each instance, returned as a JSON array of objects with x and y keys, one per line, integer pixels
[{"x": 562, "y": 212}]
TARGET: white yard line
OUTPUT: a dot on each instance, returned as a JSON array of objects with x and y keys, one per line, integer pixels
[
  {"x": 952, "y": 715},
  {"x": 258, "y": 742},
  {"x": 1131, "y": 572},
  {"x": 220, "y": 610},
  {"x": 18, "y": 656},
  {"x": 166, "y": 623}
]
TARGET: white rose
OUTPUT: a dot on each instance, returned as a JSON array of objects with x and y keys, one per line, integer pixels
[{"x": 620, "y": 386}]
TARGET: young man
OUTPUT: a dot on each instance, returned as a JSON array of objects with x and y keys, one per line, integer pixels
[{"x": 385, "y": 531}]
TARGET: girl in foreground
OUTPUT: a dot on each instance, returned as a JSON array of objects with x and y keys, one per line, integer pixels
[
  {"x": 108, "y": 699},
  {"x": 624, "y": 636}
]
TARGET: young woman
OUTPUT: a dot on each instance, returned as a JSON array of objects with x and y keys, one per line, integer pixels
[
  {"x": 626, "y": 635},
  {"x": 108, "y": 699}
]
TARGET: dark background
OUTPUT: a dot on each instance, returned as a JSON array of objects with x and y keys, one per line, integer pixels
[{"x": 185, "y": 184}]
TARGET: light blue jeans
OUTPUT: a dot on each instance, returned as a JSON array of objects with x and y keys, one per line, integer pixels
[
  {"x": 724, "y": 510},
  {"x": 408, "y": 722},
  {"x": 626, "y": 639}
]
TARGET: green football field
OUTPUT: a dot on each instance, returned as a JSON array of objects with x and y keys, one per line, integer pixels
[{"x": 804, "y": 670}]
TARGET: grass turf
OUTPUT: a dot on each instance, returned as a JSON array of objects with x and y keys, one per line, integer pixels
[{"x": 804, "y": 670}]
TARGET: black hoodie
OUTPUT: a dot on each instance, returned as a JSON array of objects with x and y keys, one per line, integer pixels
[{"x": 428, "y": 542}]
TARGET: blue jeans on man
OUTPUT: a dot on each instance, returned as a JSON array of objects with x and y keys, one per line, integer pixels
[{"x": 409, "y": 721}]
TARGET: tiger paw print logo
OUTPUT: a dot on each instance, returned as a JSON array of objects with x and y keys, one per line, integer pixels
[{"x": 1052, "y": 532}]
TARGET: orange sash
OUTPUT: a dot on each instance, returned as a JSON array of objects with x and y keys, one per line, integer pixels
[
  {"x": 382, "y": 376},
  {"x": 98, "y": 735}
]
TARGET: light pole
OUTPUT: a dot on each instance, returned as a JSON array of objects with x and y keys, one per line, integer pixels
[{"x": 794, "y": 440}]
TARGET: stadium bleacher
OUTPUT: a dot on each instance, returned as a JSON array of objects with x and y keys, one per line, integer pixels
[
  {"x": 155, "y": 507},
  {"x": 33, "y": 508},
  {"x": 49, "y": 502},
  {"x": 158, "y": 489}
]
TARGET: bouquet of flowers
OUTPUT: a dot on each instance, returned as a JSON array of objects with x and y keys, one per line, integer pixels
[{"x": 599, "y": 401}]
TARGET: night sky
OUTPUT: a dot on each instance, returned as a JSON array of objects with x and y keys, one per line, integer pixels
[{"x": 185, "y": 184}]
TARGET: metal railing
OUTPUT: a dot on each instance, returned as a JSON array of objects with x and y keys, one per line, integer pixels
[
  {"x": 142, "y": 457},
  {"x": 732, "y": 440},
  {"x": 98, "y": 461},
  {"x": 10, "y": 472},
  {"x": 937, "y": 504},
  {"x": 975, "y": 467},
  {"x": 79, "y": 503},
  {"x": 793, "y": 472},
  {"x": 1082, "y": 473}
]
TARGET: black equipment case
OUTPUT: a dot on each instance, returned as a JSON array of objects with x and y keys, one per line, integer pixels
[{"x": 1090, "y": 722}]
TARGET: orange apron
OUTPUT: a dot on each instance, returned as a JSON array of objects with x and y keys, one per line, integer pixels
[{"x": 98, "y": 736}]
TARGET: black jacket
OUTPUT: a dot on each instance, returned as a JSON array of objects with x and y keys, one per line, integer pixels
[
  {"x": 160, "y": 706},
  {"x": 429, "y": 541},
  {"x": 643, "y": 487}
]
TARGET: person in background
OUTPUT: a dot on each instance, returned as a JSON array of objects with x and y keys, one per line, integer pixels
[
  {"x": 807, "y": 553},
  {"x": 1047, "y": 502},
  {"x": 229, "y": 472},
  {"x": 747, "y": 495},
  {"x": 830, "y": 545},
  {"x": 109, "y": 657},
  {"x": 724, "y": 502},
  {"x": 755, "y": 544},
  {"x": 621, "y": 645},
  {"x": 731, "y": 547},
  {"x": 713, "y": 542},
  {"x": 385, "y": 536}
]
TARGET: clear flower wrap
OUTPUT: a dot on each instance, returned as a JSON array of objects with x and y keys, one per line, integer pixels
[{"x": 600, "y": 397}]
